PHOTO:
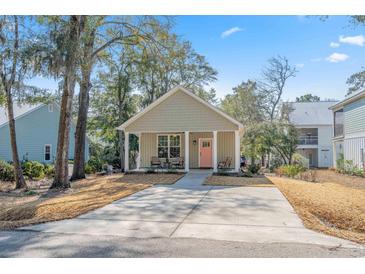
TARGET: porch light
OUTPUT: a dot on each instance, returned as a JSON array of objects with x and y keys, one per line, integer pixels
[{"x": 194, "y": 142}]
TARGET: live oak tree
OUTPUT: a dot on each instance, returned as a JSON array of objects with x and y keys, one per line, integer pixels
[
  {"x": 175, "y": 64},
  {"x": 11, "y": 74},
  {"x": 15, "y": 68},
  {"x": 309, "y": 97},
  {"x": 113, "y": 102},
  {"x": 272, "y": 138},
  {"x": 244, "y": 104},
  {"x": 102, "y": 34}
]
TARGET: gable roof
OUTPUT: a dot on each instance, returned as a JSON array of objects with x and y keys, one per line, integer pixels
[
  {"x": 348, "y": 100},
  {"x": 169, "y": 94},
  {"x": 19, "y": 111},
  {"x": 311, "y": 113}
]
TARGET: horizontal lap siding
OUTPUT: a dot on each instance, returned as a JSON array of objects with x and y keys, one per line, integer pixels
[
  {"x": 355, "y": 117},
  {"x": 149, "y": 147},
  {"x": 180, "y": 112},
  {"x": 33, "y": 131},
  {"x": 352, "y": 150},
  {"x": 226, "y": 147},
  {"x": 225, "y": 144}
]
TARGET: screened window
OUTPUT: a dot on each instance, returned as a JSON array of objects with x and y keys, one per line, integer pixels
[
  {"x": 47, "y": 152},
  {"x": 338, "y": 121},
  {"x": 168, "y": 146}
]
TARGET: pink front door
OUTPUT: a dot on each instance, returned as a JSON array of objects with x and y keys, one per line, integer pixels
[{"x": 205, "y": 150}]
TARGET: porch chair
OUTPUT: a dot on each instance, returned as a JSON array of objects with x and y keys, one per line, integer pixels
[
  {"x": 155, "y": 162},
  {"x": 177, "y": 162},
  {"x": 225, "y": 164}
]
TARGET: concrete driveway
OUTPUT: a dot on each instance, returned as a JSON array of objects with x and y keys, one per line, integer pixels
[{"x": 190, "y": 210}]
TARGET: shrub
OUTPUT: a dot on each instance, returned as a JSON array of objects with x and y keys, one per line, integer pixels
[
  {"x": 309, "y": 176},
  {"x": 33, "y": 170},
  {"x": 6, "y": 171},
  {"x": 253, "y": 168},
  {"x": 89, "y": 169},
  {"x": 340, "y": 163},
  {"x": 289, "y": 170},
  {"x": 30, "y": 193},
  {"x": 49, "y": 170},
  {"x": 347, "y": 167},
  {"x": 96, "y": 165},
  {"x": 300, "y": 160}
]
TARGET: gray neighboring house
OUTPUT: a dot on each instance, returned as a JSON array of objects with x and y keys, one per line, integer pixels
[
  {"x": 36, "y": 129},
  {"x": 314, "y": 122},
  {"x": 349, "y": 129}
]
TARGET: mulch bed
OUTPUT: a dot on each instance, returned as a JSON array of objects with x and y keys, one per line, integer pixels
[
  {"x": 259, "y": 181},
  {"x": 335, "y": 208},
  {"x": 151, "y": 178}
]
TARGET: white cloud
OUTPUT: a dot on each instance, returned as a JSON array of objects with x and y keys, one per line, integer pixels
[
  {"x": 337, "y": 57},
  {"x": 315, "y": 59},
  {"x": 299, "y": 65},
  {"x": 334, "y": 45},
  {"x": 230, "y": 31},
  {"x": 358, "y": 40}
]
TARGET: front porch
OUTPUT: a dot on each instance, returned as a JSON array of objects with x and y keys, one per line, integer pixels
[{"x": 193, "y": 150}]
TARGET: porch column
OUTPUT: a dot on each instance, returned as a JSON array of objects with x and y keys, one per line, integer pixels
[
  {"x": 236, "y": 151},
  {"x": 126, "y": 151},
  {"x": 186, "y": 149},
  {"x": 215, "y": 152},
  {"x": 139, "y": 151}
]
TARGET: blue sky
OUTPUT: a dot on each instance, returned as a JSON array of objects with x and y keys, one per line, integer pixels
[
  {"x": 305, "y": 41},
  {"x": 250, "y": 41}
]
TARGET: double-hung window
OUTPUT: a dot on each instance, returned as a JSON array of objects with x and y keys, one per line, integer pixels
[
  {"x": 168, "y": 146},
  {"x": 47, "y": 152}
]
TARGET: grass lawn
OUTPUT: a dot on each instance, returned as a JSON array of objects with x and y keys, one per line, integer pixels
[
  {"x": 43, "y": 205},
  {"x": 216, "y": 180},
  {"x": 335, "y": 205}
]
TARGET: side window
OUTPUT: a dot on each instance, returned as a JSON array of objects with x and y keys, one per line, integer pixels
[{"x": 47, "y": 152}]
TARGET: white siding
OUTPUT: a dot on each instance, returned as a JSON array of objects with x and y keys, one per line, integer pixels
[{"x": 352, "y": 150}]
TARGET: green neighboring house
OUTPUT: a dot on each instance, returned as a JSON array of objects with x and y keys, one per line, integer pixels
[
  {"x": 36, "y": 129},
  {"x": 349, "y": 129}
]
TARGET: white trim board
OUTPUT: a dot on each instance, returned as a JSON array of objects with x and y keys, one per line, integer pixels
[{"x": 170, "y": 93}]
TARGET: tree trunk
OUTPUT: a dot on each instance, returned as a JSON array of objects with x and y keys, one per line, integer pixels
[
  {"x": 80, "y": 134},
  {"x": 61, "y": 166},
  {"x": 19, "y": 178}
]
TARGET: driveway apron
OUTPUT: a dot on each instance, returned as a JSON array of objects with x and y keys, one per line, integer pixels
[{"x": 188, "y": 209}]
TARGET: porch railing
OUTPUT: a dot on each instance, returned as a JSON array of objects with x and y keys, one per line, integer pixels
[{"x": 308, "y": 140}]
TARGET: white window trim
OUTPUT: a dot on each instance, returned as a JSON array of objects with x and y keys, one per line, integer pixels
[
  {"x": 50, "y": 108},
  {"x": 50, "y": 152},
  {"x": 168, "y": 143}
]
